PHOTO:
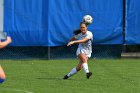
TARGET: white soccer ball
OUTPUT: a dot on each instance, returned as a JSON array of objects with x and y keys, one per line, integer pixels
[{"x": 87, "y": 19}]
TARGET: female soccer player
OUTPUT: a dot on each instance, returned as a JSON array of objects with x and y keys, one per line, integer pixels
[
  {"x": 2, "y": 45},
  {"x": 84, "y": 50}
]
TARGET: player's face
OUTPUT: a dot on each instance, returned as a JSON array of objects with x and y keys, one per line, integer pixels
[{"x": 83, "y": 28}]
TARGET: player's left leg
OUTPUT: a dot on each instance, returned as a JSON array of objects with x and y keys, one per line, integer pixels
[
  {"x": 2, "y": 75},
  {"x": 84, "y": 59}
]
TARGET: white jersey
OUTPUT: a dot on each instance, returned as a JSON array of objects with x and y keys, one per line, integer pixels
[{"x": 86, "y": 47}]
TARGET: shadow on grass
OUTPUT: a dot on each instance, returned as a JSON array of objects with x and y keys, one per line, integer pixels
[{"x": 53, "y": 79}]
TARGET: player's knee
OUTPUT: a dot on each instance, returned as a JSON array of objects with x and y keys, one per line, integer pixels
[
  {"x": 84, "y": 60},
  {"x": 2, "y": 80},
  {"x": 78, "y": 68}
]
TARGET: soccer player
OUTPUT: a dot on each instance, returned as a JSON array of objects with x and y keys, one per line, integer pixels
[
  {"x": 84, "y": 38},
  {"x": 2, "y": 45}
]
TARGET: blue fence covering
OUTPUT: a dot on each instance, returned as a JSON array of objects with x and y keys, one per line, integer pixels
[
  {"x": 133, "y": 22},
  {"x": 26, "y": 22},
  {"x": 66, "y": 15},
  {"x": 51, "y": 22}
]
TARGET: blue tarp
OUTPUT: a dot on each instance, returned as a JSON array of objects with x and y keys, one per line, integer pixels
[
  {"x": 23, "y": 21},
  {"x": 51, "y": 22},
  {"x": 133, "y": 22}
]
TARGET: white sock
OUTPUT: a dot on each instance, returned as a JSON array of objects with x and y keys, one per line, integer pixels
[
  {"x": 72, "y": 72},
  {"x": 85, "y": 67}
]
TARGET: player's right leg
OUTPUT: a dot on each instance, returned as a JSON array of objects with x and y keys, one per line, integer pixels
[{"x": 74, "y": 70}]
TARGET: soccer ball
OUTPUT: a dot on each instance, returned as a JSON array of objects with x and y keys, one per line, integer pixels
[{"x": 87, "y": 19}]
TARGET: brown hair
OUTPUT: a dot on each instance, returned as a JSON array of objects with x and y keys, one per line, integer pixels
[
  {"x": 84, "y": 23},
  {"x": 76, "y": 32}
]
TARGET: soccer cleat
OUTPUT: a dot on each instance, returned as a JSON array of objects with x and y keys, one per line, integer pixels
[
  {"x": 88, "y": 75},
  {"x": 65, "y": 77},
  {"x": 2, "y": 80}
]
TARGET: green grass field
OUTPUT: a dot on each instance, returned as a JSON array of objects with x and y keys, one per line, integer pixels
[{"x": 45, "y": 76}]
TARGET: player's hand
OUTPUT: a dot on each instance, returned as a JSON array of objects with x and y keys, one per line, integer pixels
[
  {"x": 70, "y": 43},
  {"x": 9, "y": 40}
]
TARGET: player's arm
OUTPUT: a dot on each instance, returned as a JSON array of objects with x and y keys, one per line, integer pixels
[
  {"x": 78, "y": 41},
  {"x": 5, "y": 43}
]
